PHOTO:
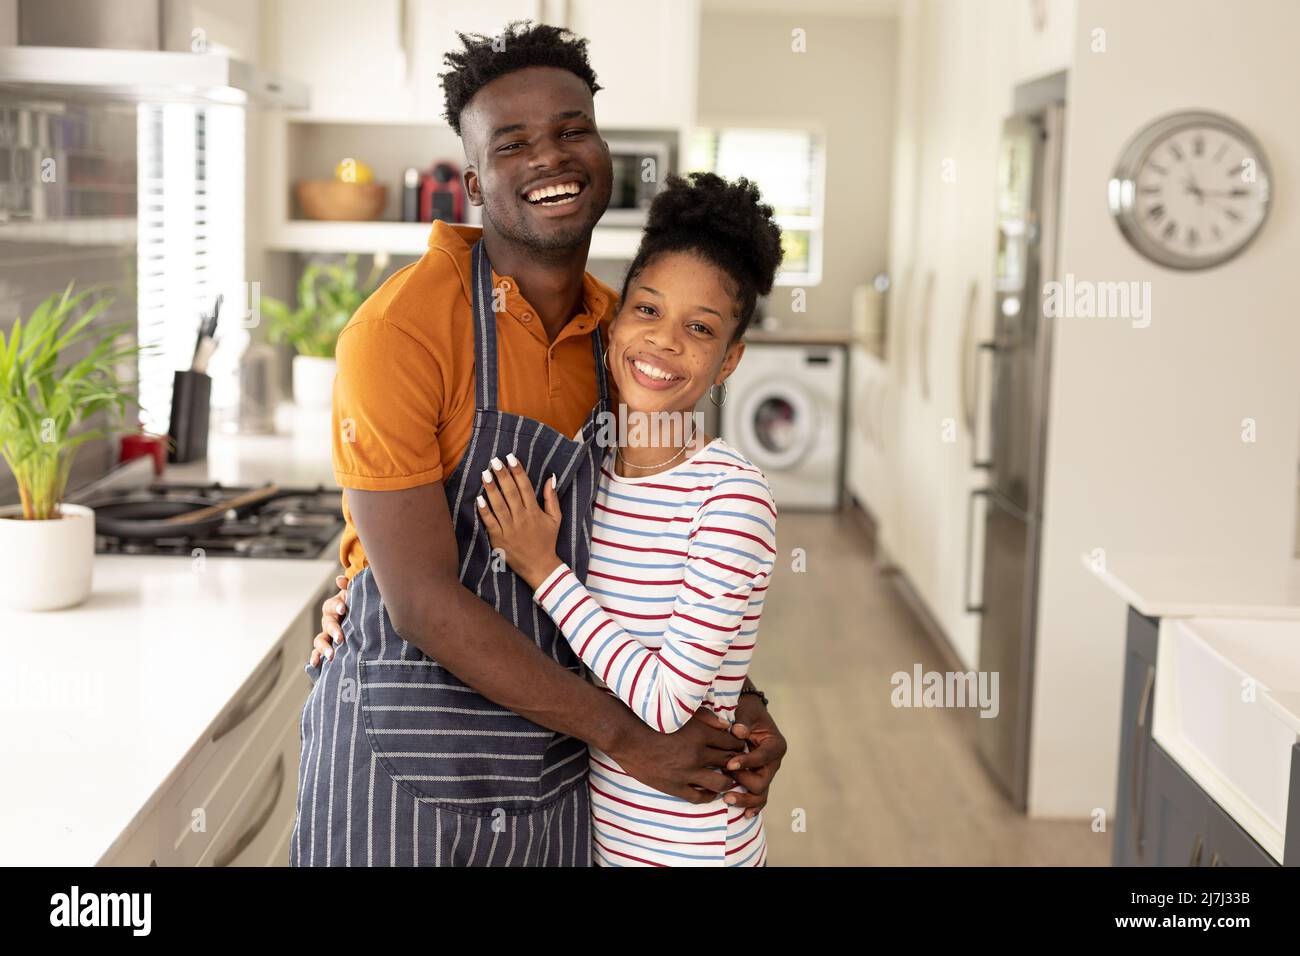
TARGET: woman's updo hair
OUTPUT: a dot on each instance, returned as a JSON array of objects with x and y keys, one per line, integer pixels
[{"x": 725, "y": 223}]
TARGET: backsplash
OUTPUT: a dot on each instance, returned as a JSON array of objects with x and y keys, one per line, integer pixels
[{"x": 67, "y": 213}]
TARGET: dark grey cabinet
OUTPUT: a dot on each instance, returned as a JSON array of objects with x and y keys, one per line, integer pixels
[
  {"x": 1135, "y": 741},
  {"x": 1162, "y": 816}
]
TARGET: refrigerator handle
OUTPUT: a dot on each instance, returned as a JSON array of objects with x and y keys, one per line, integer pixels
[
  {"x": 975, "y": 461},
  {"x": 970, "y": 529}
]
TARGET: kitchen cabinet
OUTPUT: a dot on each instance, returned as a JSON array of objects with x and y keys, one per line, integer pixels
[
  {"x": 379, "y": 62},
  {"x": 866, "y": 469},
  {"x": 232, "y": 803},
  {"x": 955, "y": 88},
  {"x": 1135, "y": 739},
  {"x": 1162, "y": 816},
  {"x": 354, "y": 57},
  {"x": 1042, "y": 34},
  {"x": 1184, "y": 827},
  {"x": 645, "y": 58}
]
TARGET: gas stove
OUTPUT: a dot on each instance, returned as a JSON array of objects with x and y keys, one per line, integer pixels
[{"x": 297, "y": 523}]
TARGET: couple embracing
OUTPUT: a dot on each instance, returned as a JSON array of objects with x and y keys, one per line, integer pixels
[{"x": 540, "y": 655}]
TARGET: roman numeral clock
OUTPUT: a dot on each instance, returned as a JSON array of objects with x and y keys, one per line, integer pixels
[{"x": 1191, "y": 190}]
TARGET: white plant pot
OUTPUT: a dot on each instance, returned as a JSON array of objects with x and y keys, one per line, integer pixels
[
  {"x": 50, "y": 563},
  {"x": 313, "y": 381}
]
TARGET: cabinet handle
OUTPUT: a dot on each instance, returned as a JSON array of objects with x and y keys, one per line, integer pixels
[
  {"x": 262, "y": 688},
  {"x": 231, "y": 853},
  {"x": 1137, "y": 785},
  {"x": 968, "y": 402},
  {"x": 1197, "y": 847},
  {"x": 970, "y": 528},
  {"x": 923, "y": 343},
  {"x": 1214, "y": 859},
  {"x": 983, "y": 464}
]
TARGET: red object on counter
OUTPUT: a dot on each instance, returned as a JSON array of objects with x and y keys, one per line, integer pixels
[{"x": 137, "y": 446}]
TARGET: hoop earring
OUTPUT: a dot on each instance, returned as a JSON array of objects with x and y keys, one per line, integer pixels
[
  {"x": 718, "y": 402},
  {"x": 605, "y": 361}
]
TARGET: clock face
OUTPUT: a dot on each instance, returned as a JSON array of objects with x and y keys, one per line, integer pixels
[{"x": 1191, "y": 190}]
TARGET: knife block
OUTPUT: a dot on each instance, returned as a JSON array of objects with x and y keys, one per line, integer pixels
[{"x": 191, "y": 395}]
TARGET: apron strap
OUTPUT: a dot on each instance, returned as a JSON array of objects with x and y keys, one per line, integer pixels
[
  {"x": 485, "y": 338},
  {"x": 485, "y": 331},
  {"x": 599, "y": 350}
]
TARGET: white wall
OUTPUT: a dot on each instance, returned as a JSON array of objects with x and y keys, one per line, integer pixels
[
  {"x": 1145, "y": 453},
  {"x": 845, "y": 84}
]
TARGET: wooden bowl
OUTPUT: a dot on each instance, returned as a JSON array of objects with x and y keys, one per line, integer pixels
[{"x": 330, "y": 199}]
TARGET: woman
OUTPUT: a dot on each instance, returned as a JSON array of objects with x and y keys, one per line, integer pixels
[{"x": 683, "y": 538}]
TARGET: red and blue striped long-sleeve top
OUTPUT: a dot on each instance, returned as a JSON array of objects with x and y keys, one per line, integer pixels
[{"x": 667, "y": 620}]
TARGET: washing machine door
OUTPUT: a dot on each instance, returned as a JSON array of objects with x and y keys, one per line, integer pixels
[{"x": 778, "y": 424}]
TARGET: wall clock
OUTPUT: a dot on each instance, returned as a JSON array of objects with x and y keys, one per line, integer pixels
[{"x": 1191, "y": 190}]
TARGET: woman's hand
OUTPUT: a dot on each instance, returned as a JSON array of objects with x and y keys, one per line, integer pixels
[
  {"x": 516, "y": 524},
  {"x": 332, "y": 612}
]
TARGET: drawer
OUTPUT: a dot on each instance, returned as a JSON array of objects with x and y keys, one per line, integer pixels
[
  {"x": 221, "y": 788},
  {"x": 1230, "y": 845},
  {"x": 257, "y": 833},
  {"x": 270, "y": 701},
  {"x": 239, "y": 720}
]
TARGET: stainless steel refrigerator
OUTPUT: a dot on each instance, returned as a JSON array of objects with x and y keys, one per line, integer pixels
[{"x": 1029, "y": 165}]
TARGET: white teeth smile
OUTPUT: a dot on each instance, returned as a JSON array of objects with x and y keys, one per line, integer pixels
[
  {"x": 554, "y": 195},
  {"x": 650, "y": 371}
]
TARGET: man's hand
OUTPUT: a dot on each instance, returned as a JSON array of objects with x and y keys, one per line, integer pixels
[
  {"x": 755, "y": 770},
  {"x": 671, "y": 763}
]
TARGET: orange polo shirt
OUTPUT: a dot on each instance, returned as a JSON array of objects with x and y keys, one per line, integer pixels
[{"x": 404, "y": 395}]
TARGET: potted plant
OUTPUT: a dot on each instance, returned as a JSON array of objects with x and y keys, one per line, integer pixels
[
  {"x": 328, "y": 294},
  {"x": 44, "y": 395}
]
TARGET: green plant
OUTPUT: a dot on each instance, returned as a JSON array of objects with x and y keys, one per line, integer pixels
[
  {"x": 41, "y": 401},
  {"x": 328, "y": 294}
]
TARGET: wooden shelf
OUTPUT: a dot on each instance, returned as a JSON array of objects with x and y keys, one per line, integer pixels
[{"x": 409, "y": 238}]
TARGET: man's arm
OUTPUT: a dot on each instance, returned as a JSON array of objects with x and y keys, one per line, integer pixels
[{"x": 411, "y": 549}]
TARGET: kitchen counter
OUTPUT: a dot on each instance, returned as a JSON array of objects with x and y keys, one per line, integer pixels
[
  {"x": 297, "y": 454},
  {"x": 800, "y": 335},
  {"x": 104, "y": 703},
  {"x": 1170, "y": 586}
]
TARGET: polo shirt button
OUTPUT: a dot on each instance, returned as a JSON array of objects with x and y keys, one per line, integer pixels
[{"x": 526, "y": 317}]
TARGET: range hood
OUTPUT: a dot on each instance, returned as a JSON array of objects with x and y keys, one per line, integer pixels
[{"x": 146, "y": 76}]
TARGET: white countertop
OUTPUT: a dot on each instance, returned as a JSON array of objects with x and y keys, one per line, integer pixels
[
  {"x": 1171, "y": 586},
  {"x": 101, "y": 704},
  {"x": 298, "y": 454}
]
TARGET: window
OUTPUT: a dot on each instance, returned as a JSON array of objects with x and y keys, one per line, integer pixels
[
  {"x": 190, "y": 247},
  {"x": 788, "y": 165}
]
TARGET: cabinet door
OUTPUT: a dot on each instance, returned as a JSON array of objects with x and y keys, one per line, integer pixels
[
  {"x": 1177, "y": 815},
  {"x": 644, "y": 56},
  {"x": 353, "y": 56},
  {"x": 1229, "y": 845},
  {"x": 431, "y": 28},
  {"x": 1135, "y": 740}
]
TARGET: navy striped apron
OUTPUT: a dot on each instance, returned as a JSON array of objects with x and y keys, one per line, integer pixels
[{"x": 402, "y": 763}]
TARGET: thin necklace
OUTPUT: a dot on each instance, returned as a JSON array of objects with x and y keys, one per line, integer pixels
[{"x": 618, "y": 453}]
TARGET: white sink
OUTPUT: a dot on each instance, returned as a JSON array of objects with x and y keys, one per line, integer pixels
[{"x": 1228, "y": 710}]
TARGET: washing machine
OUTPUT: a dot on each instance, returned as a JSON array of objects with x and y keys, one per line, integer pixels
[{"x": 784, "y": 411}]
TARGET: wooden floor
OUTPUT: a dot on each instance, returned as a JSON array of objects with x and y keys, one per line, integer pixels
[{"x": 877, "y": 785}]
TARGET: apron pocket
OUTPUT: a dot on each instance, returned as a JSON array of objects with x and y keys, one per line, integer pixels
[{"x": 446, "y": 744}]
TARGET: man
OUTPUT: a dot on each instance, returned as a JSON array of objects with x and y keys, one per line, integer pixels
[{"x": 449, "y": 728}]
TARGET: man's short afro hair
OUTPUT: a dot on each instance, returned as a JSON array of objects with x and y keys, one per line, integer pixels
[{"x": 520, "y": 45}]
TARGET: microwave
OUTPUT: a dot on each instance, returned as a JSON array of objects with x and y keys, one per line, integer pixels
[{"x": 639, "y": 169}]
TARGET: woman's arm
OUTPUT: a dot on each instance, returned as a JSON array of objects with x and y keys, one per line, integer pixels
[{"x": 728, "y": 562}]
